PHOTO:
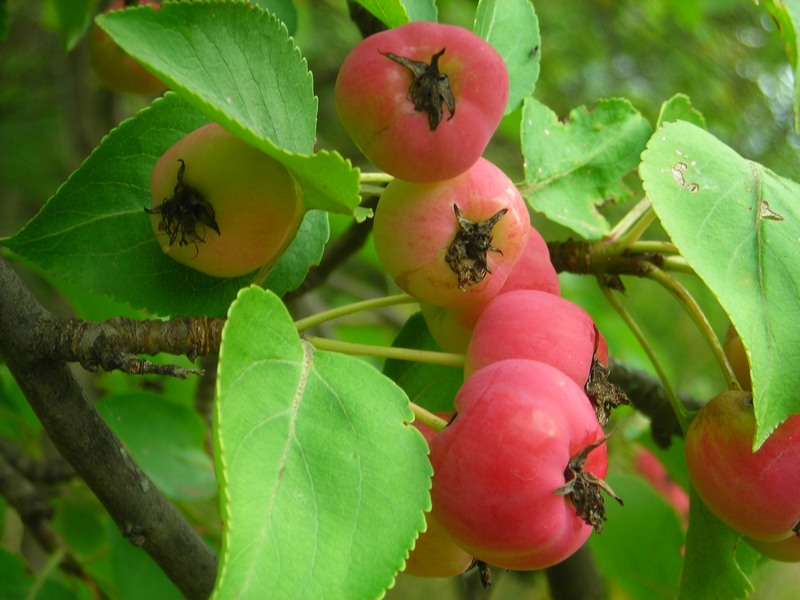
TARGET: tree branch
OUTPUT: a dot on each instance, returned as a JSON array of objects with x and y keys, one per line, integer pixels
[
  {"x": 113, "y": 344},
  {"x": 81, "y": 436},
  {"x": 648, "y": 397}
]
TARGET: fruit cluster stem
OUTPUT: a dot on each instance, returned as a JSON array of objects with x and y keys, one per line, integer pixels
[
  {"x": 424, "y": 356},
  {"x": 697, "y": 315},
  {"x": 680, "y": 412},
  {"x": 350, "y": 309}
]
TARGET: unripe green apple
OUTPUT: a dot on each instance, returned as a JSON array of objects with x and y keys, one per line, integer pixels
[{"x": 221, "y": 206}]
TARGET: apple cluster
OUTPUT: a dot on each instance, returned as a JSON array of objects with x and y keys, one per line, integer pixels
[{"x": 518, "y": 471}]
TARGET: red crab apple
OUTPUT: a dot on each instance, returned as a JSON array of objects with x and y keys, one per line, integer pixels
[
  {"x": 511, "y": 468},
  {"x": 451, "y": 328},
  {"x": 755, "y": 493},
  {"x": 422, "y": 100},
  {"x": 117, "y": 70},
  {"x": 435, "y": 554},
  {"x": 454, "y": 242},
  {"x": 539, "y": 326},
  {"x": 221, "y": 206}
]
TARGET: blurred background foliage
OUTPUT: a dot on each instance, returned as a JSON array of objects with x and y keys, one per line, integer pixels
[{"x": 726, "y": 55}]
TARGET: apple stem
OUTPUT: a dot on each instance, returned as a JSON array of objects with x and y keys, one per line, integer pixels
[
  {"x": 356, "y": 307},
  {"x": 376, "y": 178},
  {"x": 681, "y": 413},
  {"x": 427, "y": 418},
  {"x": 368, "y": 189},
  {"x": 701, "y": 321},
  {"x": 424, "y": 356}
]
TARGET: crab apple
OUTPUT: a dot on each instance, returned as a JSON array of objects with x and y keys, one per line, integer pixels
[
  {"x": 755, "y": 493},
  {"x": 422, "y": 100},
  {"x": 117, "y": 70},
  {"x": 454, "y": 242},
  {"x": 539, "y": 326},
  {"x": 737, "y": 356},
  {"x": 221, "y": 206},
  {"x": 787, "y": 550},
  {"x": 435, "y": 554},
  {"x": 517, "y": 472},
  {"x": 451, "y": 328}
]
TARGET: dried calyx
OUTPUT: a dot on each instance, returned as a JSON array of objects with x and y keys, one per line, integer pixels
[
  {"x": 183, "y": 212},
  {"x": 584, "y": 489},
  {"x": 466, "y": 254},
  {"x": 429, "y": 89}
]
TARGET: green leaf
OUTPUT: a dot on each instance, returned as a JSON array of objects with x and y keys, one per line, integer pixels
[
  {"x": 512, "y": 28},
  {"x": 394, "y": 13},
  {"x": 709, "y": 566},
  {"x": 571, "y": 168},
  {"x": 646, "y": 521},
  {"x": 285, "y": 10},
  {"x": 315, "y": 454},
  {"x": 167, "y": 440},
  {"x": 305, "y": 250},
  {"x": 433, "y": 387},
  {"x": 74, "y": 17},
  {"x": 787, "y": 14},
  {"x": 236, "y": 64},
  {"x": 737, "y": 224},
  {"x": 679, "y": 108},
  {"x": 18, "y": 583},
  {"x": 94, "y": 231}
]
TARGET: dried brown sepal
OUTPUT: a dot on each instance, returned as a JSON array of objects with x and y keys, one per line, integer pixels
[
  {"x": 484, "y": 572},
  {"x": 604, "y": 395},
  {"x": 186, "y": 214},
  {"x": 584, "y": 489},
  {"x": 429, "y": 89},
  {"x": 796, "y": 529},
  {"x": 466, "y": 254}
]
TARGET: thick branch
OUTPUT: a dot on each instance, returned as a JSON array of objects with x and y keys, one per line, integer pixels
[{"x": 81, "y": 436}]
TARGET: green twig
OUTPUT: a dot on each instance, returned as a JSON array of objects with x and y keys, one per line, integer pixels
[
  {"x": 680, "y": 412},
  {"x": 677, "y": 264},
  {"x": 644, "y": 246},
  {"x": 371, "y": 190},
  {"x": 631, "y": 227},
  {"x": 697, "y": 315},
  {"x": 424, "y": 356},
  {"x": 342, "y": 311}
]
